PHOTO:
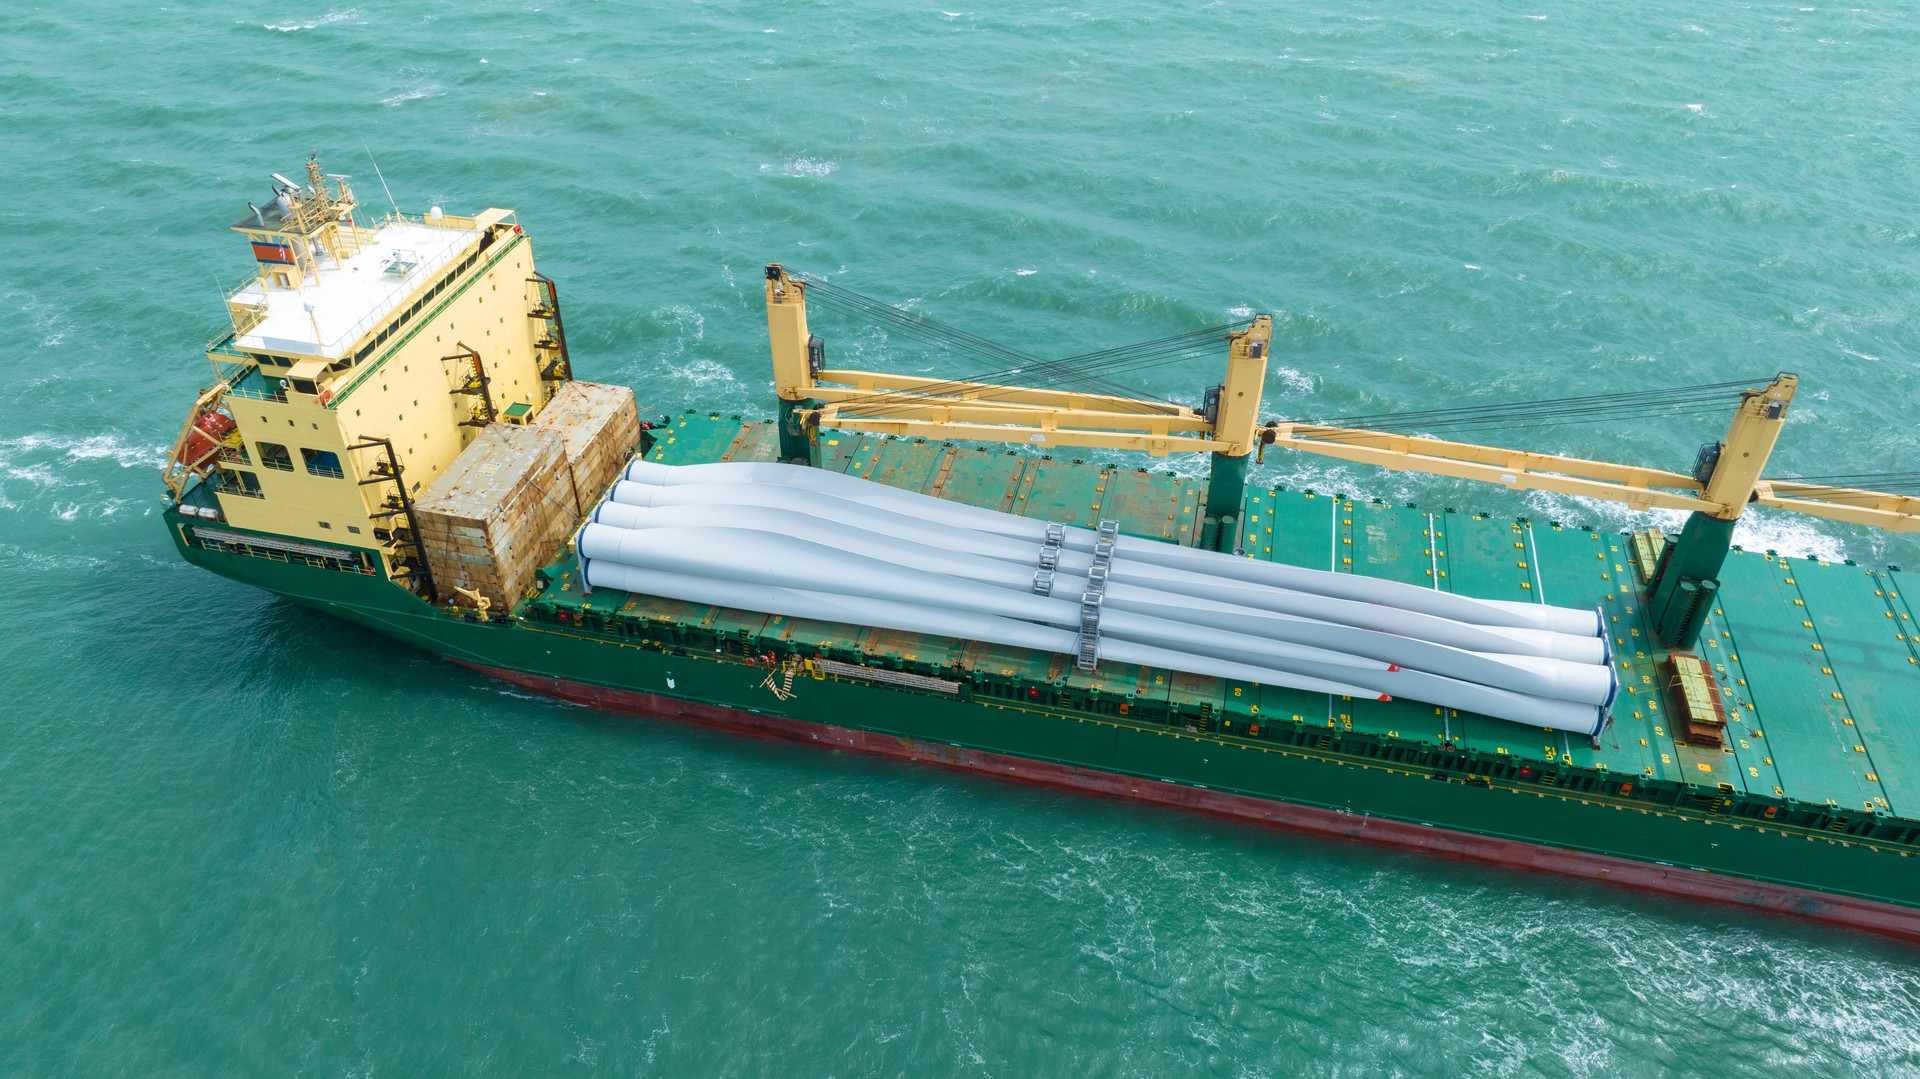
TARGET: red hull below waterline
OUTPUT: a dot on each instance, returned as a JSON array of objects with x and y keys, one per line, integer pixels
[{"x": 1882, "y": 919}]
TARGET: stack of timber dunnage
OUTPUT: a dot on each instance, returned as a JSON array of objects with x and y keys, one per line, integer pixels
[
  {"x": 600, "y": 426},
  {"x": 497, "y": 514}
]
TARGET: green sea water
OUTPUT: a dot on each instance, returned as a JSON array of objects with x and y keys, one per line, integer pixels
[{"x": 239, "y": 838}]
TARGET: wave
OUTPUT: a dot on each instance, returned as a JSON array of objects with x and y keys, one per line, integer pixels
[
  {"x": 429, "y": 90},
  {"x": 327, "y": 20},
  {"x": 808, "y": 167},
  {"x": 106, "y": 446},
  {"x": 61, "y": 476},
  {"x": 349, "y": 15},
  {"x": 1758, "y": 530}
]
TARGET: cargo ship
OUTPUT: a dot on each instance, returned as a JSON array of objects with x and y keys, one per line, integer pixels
[{"x": 393, "y": 435}]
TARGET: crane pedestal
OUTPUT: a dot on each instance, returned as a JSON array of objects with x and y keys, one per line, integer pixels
[
  {"x": 1681, "y": 592},
  {"x": 1226, "y": 487}
]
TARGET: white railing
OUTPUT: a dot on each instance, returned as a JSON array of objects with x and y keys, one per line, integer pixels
[{"x": 388, "y": 302}]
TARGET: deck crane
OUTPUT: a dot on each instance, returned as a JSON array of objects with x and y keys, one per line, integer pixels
[
  {"x": 1725, "y": 480},
  {"x": 813, "y": 396}
]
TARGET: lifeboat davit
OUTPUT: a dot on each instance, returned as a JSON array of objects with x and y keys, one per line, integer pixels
[{"x": 205, "y": 437}]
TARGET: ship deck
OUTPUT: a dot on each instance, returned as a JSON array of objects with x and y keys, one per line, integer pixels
[
  {"x": 343, "y": 300},
  {"x": 1818, "y": 662}
]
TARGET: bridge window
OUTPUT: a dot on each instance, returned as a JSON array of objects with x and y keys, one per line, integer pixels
[
  {"x": 322, "y": 463},
  {"x": 275, "y": 456},
  {"x": 237, "y": 482}
]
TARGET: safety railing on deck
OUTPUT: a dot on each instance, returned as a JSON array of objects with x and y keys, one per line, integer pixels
[
  {"x": 246, "y": 315},
  {"x": 247, "y": 381},
  {"x": 421, "y": 322},
  {"x": 444, "y": 221},
  {"x": 384, "y": 308},
  {"x": 230, "y": 487},
  {"x": 252, "y": 384}
]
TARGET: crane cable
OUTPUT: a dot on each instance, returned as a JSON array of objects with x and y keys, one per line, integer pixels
[
  {"x": 1063, "y": 374},
  {"x": 1088, "y": 370},
  {"x": 1084, "y": 370},
  {"x": 1673, "y": 400},
  {"x": 1854, "y": 487},
  {"x": 1030, "y": 369}
]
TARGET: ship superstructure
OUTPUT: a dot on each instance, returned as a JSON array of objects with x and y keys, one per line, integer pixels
[
  {"x": 394, "y": 436},
  {"x": 362, "y": 359}
]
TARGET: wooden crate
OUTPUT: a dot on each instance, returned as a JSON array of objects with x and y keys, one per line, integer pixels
[
  {"x": 1699, "y": 712},
  {"x": 600, "y": 427},
  {"x": 498, "y": 514}
]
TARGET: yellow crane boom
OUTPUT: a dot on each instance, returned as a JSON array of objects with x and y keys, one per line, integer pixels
[
  {"x": 1733, "y": 484},
  {"x": 1895, "y": 513},
  {"x": 1725, "y": 481},
  {"x": 906, "y": 405}
]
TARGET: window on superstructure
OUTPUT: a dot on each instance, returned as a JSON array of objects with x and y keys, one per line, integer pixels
[
  {"x": 233, "y": 481},
  {"x": 274, "y": 455},
  {"x": 322, "y": 463}
]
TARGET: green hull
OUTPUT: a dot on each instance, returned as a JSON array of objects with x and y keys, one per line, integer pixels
[{"x": 1326, "y": 781}]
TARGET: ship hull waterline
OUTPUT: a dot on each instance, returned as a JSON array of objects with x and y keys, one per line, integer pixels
[
  {"x": 516, "y": 653},
  {"x": 1882, "y": 919}
]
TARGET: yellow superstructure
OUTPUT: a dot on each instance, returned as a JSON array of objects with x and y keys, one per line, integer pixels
[{"x": 363, "y": 359}]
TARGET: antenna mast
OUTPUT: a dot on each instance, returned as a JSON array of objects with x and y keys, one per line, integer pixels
[{"x": 382, "y": 179}]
